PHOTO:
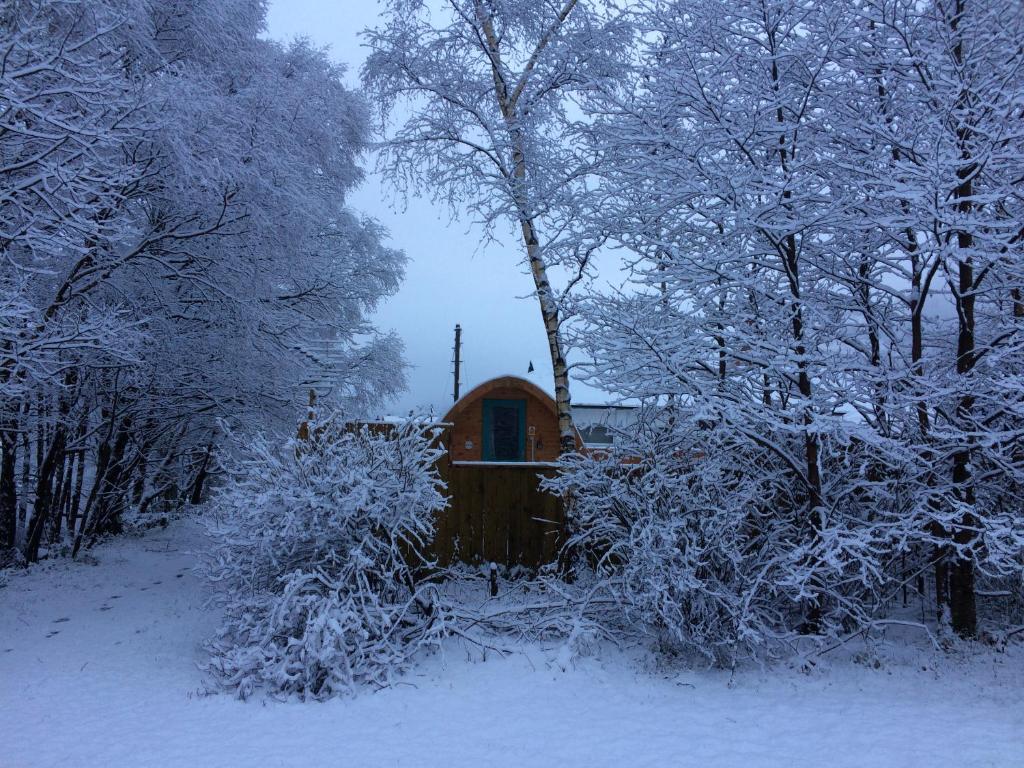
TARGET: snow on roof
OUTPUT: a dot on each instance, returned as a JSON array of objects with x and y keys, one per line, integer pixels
[
  {"x": 392, "y": 419},
  {"x": 598, "y": 424},
  {"x": 614, "y": 416}
]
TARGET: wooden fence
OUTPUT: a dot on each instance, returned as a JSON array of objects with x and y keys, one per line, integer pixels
[{"x": 497, "y": 513}]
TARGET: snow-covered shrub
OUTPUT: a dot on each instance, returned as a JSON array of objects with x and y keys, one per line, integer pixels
[
  {"x": 669, "y": 568},
  {"x": 707, "y": 545},
  {"x": 319, "y": 561}
]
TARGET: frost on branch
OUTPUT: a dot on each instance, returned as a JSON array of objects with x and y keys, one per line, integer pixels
[{"x": 319, "y": 561}]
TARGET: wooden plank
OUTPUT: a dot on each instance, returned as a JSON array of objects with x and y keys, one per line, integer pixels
[{"x": 499, "y": 514}]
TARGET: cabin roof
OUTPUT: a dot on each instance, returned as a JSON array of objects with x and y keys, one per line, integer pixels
[{"x": 501, "y": 382}]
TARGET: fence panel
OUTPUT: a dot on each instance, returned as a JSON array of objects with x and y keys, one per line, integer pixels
[{"x": 497, "y": 513}]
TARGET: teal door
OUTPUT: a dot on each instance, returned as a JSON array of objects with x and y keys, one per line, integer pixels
[{"x": 504, "y": 437}]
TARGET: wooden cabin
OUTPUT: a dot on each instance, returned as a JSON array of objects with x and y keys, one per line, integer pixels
[
  {"x": 507, "y": 420},
  {"x": 502, "y": 437},
  {"x": 501, "y": 440}
]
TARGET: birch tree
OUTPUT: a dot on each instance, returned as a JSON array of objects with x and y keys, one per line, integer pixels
[{"x": 482, "y": 93}]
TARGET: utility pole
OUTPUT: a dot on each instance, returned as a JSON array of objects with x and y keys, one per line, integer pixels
[{"x": 458, "y": 350}]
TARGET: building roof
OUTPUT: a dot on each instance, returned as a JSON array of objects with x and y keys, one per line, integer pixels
[{"x": 501, "y": 382}]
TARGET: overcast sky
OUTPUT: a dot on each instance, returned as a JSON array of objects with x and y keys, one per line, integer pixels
[{"x": 451, "y": 278}]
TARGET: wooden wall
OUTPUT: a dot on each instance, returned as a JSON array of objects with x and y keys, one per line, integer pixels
[
  {"x": 467, "y": 416},
  {"x": 498, "y": 514}
]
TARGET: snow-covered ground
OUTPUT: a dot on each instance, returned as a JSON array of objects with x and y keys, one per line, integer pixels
[{"x": 98, "y": 668}]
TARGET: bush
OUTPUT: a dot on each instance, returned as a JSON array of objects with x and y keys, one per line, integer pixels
[
  {"x": 319, "y": 562},
  {"x": 706, "y": 545}
]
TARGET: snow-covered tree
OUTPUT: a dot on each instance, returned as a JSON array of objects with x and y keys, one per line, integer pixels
[
  {"x": 936, "y": 147},
  {"x": 719, "y": 150},
  {"x": 177, "y": 249},
  {"x": 821, "y": 201},
  {"x": 484, "y": 93},
  {"x": 66, "y": 114}
]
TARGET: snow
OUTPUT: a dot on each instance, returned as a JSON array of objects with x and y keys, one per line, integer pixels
[
  {"x": 98, "y": 668},
  {"x": 427, "y": 421},
  {"x": 611, "y": 416}
]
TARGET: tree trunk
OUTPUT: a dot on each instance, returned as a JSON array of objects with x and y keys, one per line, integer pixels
[
  {"x": 142, "y": 470},
  {"x": 8, "y": 461},
  {"x": 962, "y": 608},
  {"x": 200, "y": 479},
  {"x": 508, "y": 104},
  {"x": 812, "y": 448},
  {"x": 60, "y": 492},
  {"x": 102, "y": 462},
  {"x": 8, "y": 485},
  {"x": 941, "y": 585},
  {"x": 963, "y": 611},
  {"x": 26, "y": 474},
  {"x": 44, "y": 494},
  {"x": 75, "y": 502},
  {"x": 918, "y": 292},
  {"x": 550, "y": 316},
  {"x": 110, "y": 499},
  {"x": 790, "y": 252}
]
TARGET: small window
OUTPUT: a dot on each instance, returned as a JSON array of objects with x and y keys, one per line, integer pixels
[{"x": 504, "y": 437}]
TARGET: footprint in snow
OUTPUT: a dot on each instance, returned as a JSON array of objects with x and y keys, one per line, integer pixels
[
  {"x": 53, "y": 632},
  {"x": 114, "y": 597},
  {"x": 61, "y": 620},
  {"x": 105, "y": 607}
]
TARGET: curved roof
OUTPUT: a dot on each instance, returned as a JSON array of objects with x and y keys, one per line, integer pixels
[{"x": 502, "y": 382}]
